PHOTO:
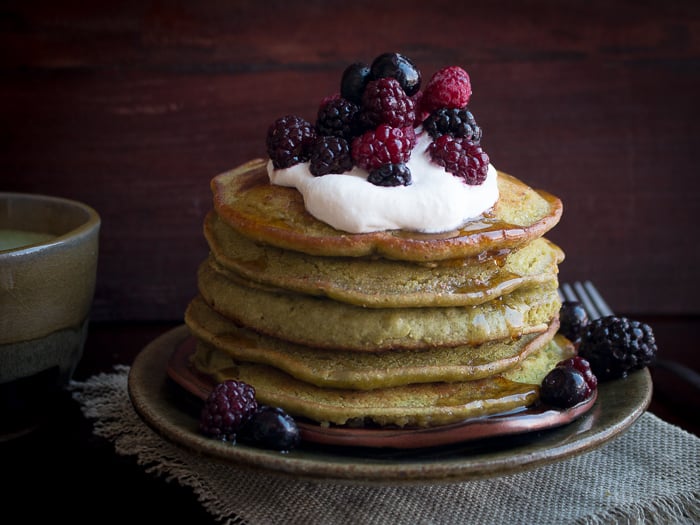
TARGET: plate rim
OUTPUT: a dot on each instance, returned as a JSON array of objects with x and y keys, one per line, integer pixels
[{"x": 147, "y": 386}]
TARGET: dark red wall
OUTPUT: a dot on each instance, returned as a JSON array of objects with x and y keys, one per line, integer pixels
[{"x": 133, "y": 106}]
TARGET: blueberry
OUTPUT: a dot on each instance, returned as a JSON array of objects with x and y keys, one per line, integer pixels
[
  {"x": 399, "y": 67},
  {"x": 573, "y": 319},
  {"x": 271, "y": 427},
  {"x": 564, "y": 387},
  {"x": 354, "y": 81}
]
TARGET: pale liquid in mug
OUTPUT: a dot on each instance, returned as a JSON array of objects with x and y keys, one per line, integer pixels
[{"x": 12, "y": 239}]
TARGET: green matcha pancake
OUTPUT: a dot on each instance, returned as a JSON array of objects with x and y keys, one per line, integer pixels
[
  {"x": 325, "y": 323},
  {"x": 383, "y": 283},
  {"x": 246, "y": 201},
  {"x": 422, "y": 405},
  {"x": 362, "y": 370}
]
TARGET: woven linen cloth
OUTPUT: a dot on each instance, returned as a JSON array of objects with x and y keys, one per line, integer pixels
[{"x": 649, "y": 474}]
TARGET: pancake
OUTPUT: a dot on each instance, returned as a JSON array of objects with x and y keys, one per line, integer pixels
[
  {"x": 364, "y": 281},
  {"x": 393, "y": 326},
  {"x": 425, "y": 404},
  {"x": 325, "y": 323},
  {"x": 275, "y": 215},
  {"x": 362, "y": 370}
]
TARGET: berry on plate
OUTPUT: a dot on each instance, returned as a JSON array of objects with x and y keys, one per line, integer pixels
[
  {"x": 573, "y": 319},
  {"x": 273, "y": 428},
  {"x": 615, "y": 346},
  {"x": 564, "y": 387},
  {"x": 227, "y": 408}
]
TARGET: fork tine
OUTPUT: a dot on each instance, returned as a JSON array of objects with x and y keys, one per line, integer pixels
[
  {"x": 566, "y": 292},
  {"x": 588, "y": 304},
  {"x": 600, "y": 303}
]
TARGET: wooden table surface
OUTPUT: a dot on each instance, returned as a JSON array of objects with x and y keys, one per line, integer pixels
[{"x": 63, "y": 470}]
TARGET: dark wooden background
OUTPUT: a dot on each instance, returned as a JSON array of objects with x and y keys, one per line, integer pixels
[{"x": 133, "y": 106}]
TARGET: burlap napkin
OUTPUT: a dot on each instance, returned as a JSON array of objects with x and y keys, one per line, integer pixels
[{"x": 650, "y": 474}]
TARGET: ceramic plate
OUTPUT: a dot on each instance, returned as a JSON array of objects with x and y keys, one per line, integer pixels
[{"x": 172, "y": 410}]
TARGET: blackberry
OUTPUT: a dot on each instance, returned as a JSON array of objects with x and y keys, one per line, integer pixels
[
  {"x": 273, "y": 428},
  {"x": 330, "y": 155},
  {"x": 354, "y": 81},
  {"x": 383, "y": 145},
  {"x": 460, "y": 157},
  {"x": 390, "y": 175},
  {"x": 564, "y": 387},
  {"x": 453, "y": 121},
  {"x": 573, "y": 319},
  {"x": 289, "y": 141},
  {"x": 614, "y": 346},
  {"x": 338, "y": 117},
  {"x": 385, "y": 102},
  {"x": 229, "y": 405},
  {"x": 400, "y": 67}
]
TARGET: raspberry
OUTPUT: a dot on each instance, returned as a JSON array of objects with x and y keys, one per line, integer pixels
[
  {"x": 421, "y": 114},
  {"x": 338, "y": 117},
  {"x": 461, "y": 157},
  {"x": 330, "y": 155},
  {"x": 453, "y": 121},
  {"x": 583, "y": 366},
  {"x": 450, "y": 87},
  {"x": 383, "y": 145},
  {"x": 228, "y": 407},
  {"x": 289, "y": 141},
  {"x": 390, "y": 175},
  {"x": 385, "y": 102},
  {"x": 615, "y": 346},
  {"x": 564, "y": 387}
]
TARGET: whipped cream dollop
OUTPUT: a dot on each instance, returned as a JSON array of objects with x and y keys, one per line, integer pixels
[{"x": 435, "y": 202}]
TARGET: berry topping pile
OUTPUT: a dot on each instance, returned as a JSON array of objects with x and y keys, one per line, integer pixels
[
  {"x": 372, "y": 121},
  {"x": 232, "y": 412},
  {"x": 617, "y": 345}
]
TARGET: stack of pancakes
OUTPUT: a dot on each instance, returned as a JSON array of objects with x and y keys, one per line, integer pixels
[{"x": 387, "y": 328}]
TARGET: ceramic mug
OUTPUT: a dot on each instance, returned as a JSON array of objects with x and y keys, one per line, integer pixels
[{"x": 48, "y": 266}]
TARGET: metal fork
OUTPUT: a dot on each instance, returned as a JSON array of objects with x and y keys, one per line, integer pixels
[{"x": 595, "y": 306}]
